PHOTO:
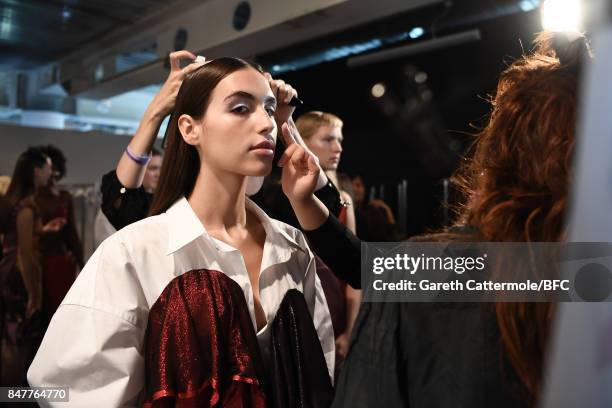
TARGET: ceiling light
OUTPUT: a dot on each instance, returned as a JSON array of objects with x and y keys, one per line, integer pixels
[
  {"x": 561, "y": 15},
  {"x": 66, "y": 13},
  {"x": 378, "y": 90},
  {"x": 416, "y": 32},
  {"x": 529, "y": 5}
]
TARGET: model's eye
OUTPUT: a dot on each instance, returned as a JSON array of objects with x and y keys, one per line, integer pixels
[
  {"x": 240, "y": 109},
  {"x": 271, "y": 110}
]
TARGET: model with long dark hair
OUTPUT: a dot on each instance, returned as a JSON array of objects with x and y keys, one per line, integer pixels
[{"x": 208, "y": 302}]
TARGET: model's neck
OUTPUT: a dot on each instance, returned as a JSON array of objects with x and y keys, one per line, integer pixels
[
  {"x": 332, "y": 175},
  {"x": 218, "y": 199}
]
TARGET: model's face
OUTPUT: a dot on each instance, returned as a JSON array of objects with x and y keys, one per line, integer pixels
[
  {"x": 43, "y": 174},
  {"x": 237, "y": 133},
  {"x": 326, "y": 144},
  {"x": 151, "y": 177}
]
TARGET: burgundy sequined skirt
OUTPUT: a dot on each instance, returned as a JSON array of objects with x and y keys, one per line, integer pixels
[
  {"x": 20, "y": 336},
  {"x": 201, "y": 350}
]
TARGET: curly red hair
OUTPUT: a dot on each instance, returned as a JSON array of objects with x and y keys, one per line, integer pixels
[{"x": 517, "y": 180}]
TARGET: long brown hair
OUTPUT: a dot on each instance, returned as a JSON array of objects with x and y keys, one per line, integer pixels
[
  {"x": 181, "y": 163},
  {"x": 517, "y": 181},
  {"x": 22, "y": 183}
]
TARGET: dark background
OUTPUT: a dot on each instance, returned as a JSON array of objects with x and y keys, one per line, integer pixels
[{"x": 418, "y": 132}]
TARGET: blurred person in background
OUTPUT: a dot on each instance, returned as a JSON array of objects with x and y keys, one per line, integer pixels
[
  {"x": 374, "y": 218},
  {"x": 152, "y": 172},
  {"x": 125, "y": 205},
  {"x": 4, "y": 209},
  {"x": 359, "y": 190},
  {"x": 322, "y": 134},
  {"x": 378, "y": 223},
  {"x": 61, "y": 251},
  {"x": 21, "y": 282}
]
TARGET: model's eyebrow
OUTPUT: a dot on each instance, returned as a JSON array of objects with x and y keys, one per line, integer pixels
[{"x": 246, "y": 95}]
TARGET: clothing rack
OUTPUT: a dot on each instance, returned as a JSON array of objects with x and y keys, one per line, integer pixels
[{"x": 86, "y": 199}]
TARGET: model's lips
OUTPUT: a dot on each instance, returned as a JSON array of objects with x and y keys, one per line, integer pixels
[{"x": 264, "y": 145}]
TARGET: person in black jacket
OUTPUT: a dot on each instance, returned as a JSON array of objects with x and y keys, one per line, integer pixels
[
  {"x": 516, "y": 187},
  {"x": 124, "y": 199},
  {"x": 123, "y": 206}
]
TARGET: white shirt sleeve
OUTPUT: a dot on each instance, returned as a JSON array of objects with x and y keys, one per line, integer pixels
[
  {"x": 317, "y": 305},
  {"x": 93, "y": 345}
]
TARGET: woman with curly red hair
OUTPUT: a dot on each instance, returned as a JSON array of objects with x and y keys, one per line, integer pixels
[
  {"x": 516, "y": 186},
  {"x": 518, "y": 181}
]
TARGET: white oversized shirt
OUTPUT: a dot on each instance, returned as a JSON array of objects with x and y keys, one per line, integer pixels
[{"x": 94, "y": 344}]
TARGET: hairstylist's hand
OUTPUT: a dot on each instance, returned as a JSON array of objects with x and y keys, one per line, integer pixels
[
  {"x": 163, "y": 102},
  {"x": 300, "y": 169},
  {"x": 283, "y": 93}
]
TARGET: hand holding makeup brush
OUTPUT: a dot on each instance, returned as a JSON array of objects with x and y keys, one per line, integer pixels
[
  {"x": 300, "y": 169},
  {"x": 286, "y": 99},
  {"x": 301, "y": 175}
]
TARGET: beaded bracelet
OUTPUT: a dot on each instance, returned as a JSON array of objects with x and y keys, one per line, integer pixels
[{"x": 140, "y": 159}]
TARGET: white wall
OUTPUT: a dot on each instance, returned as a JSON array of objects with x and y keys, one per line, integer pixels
[{"x": 88, "y": 154}]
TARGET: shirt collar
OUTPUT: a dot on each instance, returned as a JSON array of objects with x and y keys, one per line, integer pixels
[{"x": 184, "y": 227}]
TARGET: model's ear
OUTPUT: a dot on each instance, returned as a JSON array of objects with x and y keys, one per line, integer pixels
[{"x": 190, "y": 129}]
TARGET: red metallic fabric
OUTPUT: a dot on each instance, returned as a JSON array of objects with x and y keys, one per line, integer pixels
[{"x": 201, "y": 348}]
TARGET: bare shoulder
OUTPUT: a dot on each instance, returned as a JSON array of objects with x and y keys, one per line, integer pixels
[{"x": 346, "y": 197}]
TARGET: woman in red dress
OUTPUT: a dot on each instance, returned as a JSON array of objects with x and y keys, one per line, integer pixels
[
  {"x": 21, "y": 293},
  {"x": 61, "y": 251}
]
